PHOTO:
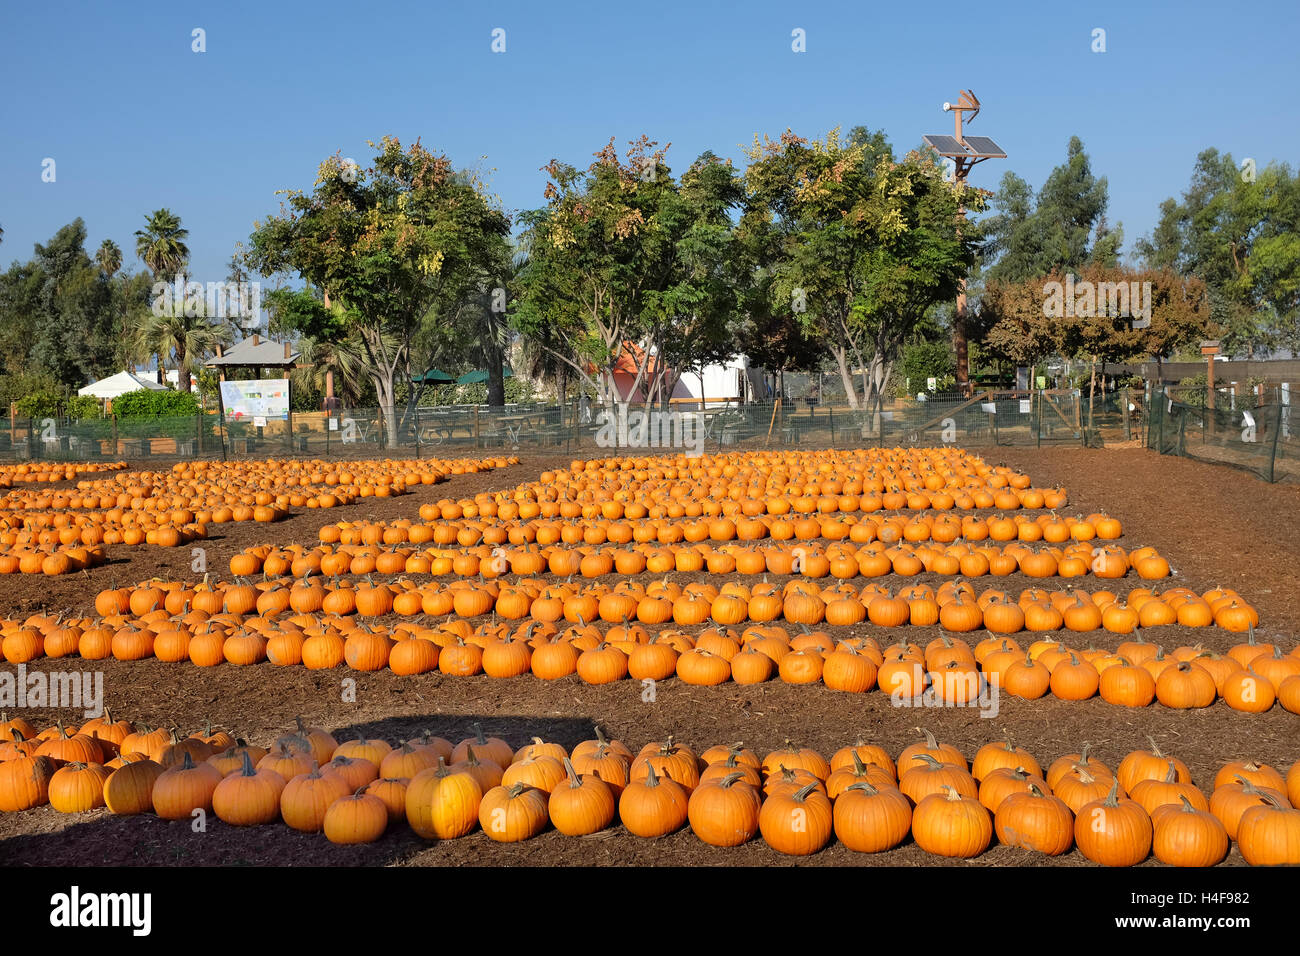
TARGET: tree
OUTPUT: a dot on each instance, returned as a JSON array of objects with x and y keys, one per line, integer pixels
[
  {"x": 181, "y": 336},
  {"x": 868, "y": 245},
  {"x": 395, "y": 244},
  {"x": 108, "y": 257},
  {"x": 160, "y": 245},
  {"x": 1238, "y": 234},
  {"x": 71, "y": 335},
  {"x": 601, "y": 260}
]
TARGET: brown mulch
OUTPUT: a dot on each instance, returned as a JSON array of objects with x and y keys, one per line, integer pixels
[{"x": 1216, "y": 526}]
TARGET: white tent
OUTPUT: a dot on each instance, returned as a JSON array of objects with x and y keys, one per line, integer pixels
[{"x": 119, "y": 384}]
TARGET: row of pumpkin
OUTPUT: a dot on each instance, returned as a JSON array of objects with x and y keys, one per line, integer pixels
[
  {"x": 809, "y": 559},
  {"x": 833, "y": 524},
  {"x": 1251, "y": 677},
  {"x": 755, "y": 483},
  {"x": 49, "y": 472},
  {"x": 794, "y": 797},
  {"x": 955, "y": 605}
]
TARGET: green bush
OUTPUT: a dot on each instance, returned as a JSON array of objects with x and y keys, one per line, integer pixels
[
  {"x": 83, "y": 408},
  {"x": 39, "y": 404},
  {"x": 150, "y": 403}
]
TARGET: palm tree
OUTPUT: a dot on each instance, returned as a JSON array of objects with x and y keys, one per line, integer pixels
[
  {"x": 108, "y": 257},
  {"x": 343, "y": 357},
  {"x": 161, "y": 246},
  {"x": 187, "y": 338}
]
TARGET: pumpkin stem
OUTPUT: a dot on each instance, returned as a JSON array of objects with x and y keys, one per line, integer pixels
[
  {"x": 801, "y": 794},
  {"x": 1112, "y": 798},
  {"x": 865, "y": 787},
  {"x": 574, "y": 782},
  {"x": 1187, "y": 804},
  {"x": 650, "y": 780},
  {"x": 1034, "y": 789},
  {"x": 726, "y": 782},
  {"x": 1155, "y": 750},
  {"x": 859, "y": 768},
  {"x": 188, "y": 764},
  {"x": 930, "y": 762}
]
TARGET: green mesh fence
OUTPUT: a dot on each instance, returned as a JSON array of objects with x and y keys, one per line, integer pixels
[
  {"x": 1258, "y": 438},
  {"x": 989, "y": 419}
]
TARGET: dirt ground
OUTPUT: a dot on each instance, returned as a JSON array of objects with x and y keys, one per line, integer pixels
[{"x": 1216, "y": 526}]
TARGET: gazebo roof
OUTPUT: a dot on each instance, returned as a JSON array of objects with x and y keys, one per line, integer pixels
[{"x": 255, "y": 352}]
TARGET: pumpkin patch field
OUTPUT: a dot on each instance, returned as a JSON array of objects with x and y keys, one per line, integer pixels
[{"x": 757, "y": 657}]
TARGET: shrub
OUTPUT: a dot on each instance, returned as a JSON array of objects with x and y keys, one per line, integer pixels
[
  {"x": 150, "y": 403},
  {"x": 83, "y": 408},
  {"x": 39, "y": 404}
]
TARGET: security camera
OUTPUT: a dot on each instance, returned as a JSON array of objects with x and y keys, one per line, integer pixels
[{"x": 947, "y": 107}]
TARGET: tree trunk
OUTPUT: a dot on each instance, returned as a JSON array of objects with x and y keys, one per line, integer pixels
[
  {"x": 842, "y": 361},
  {"x": 1092, "y": 390}
]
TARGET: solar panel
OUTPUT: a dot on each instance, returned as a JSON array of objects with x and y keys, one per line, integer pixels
[
  {"x": 945, "y": 145},
  {"x": 983, "y": 146}
]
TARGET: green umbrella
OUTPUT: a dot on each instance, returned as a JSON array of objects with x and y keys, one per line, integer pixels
[
  {"x": 433, "y": 376},
  {"x": 479, "y": 375}
]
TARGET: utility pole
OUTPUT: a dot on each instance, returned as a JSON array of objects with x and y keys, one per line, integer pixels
[{"x": 965, "y": 152}]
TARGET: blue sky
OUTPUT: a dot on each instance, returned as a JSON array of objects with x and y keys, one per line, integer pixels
[{"x": 135, "y": 120}]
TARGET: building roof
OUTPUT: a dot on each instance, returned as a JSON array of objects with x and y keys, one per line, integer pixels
[
  {"x": 119, "y": 384},
  {"x": 256, "y": 352}
]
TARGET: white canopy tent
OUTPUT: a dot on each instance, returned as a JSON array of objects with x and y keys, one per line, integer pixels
[{"x": 119, "y": 384}]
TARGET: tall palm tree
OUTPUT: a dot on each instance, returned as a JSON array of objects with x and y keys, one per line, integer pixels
[
  {"x": 108, "y": 257},
  {"x": 161, "y": 246}
]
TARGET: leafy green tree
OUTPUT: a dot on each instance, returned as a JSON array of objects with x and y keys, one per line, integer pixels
[
  {"x": 1240, "y": 235},
  {"x": 602, "y": 263},
  {"x": 869, "y": 245},
  {"x": 392, "y": 245}
]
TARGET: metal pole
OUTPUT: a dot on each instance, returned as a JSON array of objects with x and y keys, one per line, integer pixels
[{"x": 221, "y": 420}]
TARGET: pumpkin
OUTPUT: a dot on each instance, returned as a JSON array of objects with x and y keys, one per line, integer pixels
[
  {"x": 724, "y": 811},
  {"x": 129, "y": 789},
  {"x": 249, "y": 797},
  {"x": 1269, "y": 835},
  {"x": 868, "y": 819},
  {"x": 78, "y": 787},
  {"x": 1259, "y": 774},
  {"x": 1127, "y": 685},
  {"x": 514, "y": 813},
  {"x": 1002, "y": 783},
  {"x": 1035, "y": 820},
  {"x": 951, "y": 824},
  {"x": 929, "y": 746},
  {"x": 307, "y": 796},
  {"x": 393, "y": 794},
  {"x": 1187, "y": 836},
  {"x": 442, "y": 805},
  {"x": 993, "y": 756},
  {"x": 798, "y": 823},
  {"x": 1113, "y": 831},
  {"x": 654, "y": 807},
  {"x": 1149, "y": 765},
  {"x": 25, "y": 782},
  {"x": 184, "y": 788},
  {"x": 356, "y": 818},
  {"x": 580, "y": 806},
  {"x": 1168, "y": 791},
  {"x": 934, "y": 777}
]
